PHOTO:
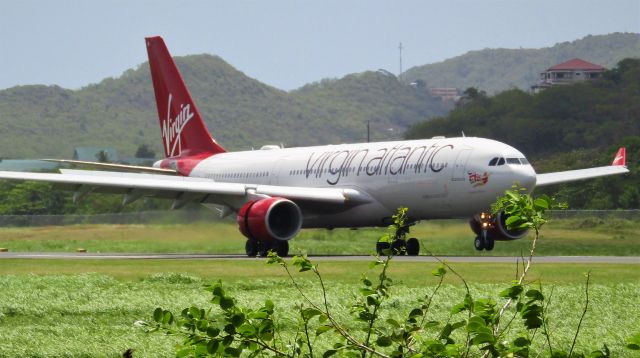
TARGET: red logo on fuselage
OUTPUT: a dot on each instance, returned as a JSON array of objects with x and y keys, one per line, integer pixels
[
  {"x": 172, "y": 128},
  {"x": 477, "y": 179}
]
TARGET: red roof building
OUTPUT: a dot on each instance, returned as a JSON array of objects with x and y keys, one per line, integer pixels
[{"x": 572, "y": 71}]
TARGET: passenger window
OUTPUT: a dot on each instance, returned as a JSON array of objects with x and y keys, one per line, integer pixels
[
  {"x": 493, "y": 162},
  {"x": 501, "y": 161}
]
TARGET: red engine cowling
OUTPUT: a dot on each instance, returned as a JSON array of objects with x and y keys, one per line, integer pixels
[
  {"x": 497, "y": 227},
  {"x": 270, "y": 219}
]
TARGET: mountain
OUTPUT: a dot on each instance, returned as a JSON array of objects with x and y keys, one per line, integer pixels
[
  {"x": 242, "y": 113},
  {"x": 494, "y": 70},
  {"x": 49, "y": 121}
]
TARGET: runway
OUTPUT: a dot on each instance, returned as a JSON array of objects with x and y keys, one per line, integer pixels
[{"x": 470, "y": 259}]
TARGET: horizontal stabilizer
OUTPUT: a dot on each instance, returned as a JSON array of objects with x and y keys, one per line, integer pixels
[{"x": 114, "y": 167}]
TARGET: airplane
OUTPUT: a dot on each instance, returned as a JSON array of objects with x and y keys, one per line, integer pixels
[{"x": 275, "y": 192}]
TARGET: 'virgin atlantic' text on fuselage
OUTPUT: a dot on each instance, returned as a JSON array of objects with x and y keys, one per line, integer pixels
[{"x": 394, "y": 160}]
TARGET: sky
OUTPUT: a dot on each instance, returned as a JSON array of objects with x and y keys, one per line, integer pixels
[{"x": 285, "y": 44}]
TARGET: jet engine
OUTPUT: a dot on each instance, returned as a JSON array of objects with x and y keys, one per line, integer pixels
[
  {"x": 500, "y": 231},
  {"x": 489, "y": 228},
  {"x": 269, "y": 219}
]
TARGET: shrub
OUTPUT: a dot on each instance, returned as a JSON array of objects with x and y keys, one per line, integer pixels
[{"x": 475, "y": 326}]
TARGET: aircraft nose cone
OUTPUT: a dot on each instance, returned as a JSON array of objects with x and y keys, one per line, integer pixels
[{"x": 525, "y": 177}]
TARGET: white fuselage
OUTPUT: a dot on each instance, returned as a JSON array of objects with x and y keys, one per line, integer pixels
[{"x": 434, "y": 178}]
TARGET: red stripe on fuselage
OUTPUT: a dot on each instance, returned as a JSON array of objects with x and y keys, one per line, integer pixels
[{"x": 185, "y": 163}]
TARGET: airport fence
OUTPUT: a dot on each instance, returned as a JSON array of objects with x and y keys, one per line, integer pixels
[
  {"x": 194, "y": 216},
  {"x": 632, "y": 214}
]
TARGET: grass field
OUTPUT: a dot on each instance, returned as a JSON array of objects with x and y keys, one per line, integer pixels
[
  {"x": 88, "y": 308},
  {"x": 451, "y": 237}
]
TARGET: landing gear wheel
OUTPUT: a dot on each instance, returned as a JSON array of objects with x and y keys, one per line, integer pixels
[
  {"x": 479, "y": 243},
  {"x": 281, "y": 248},
  {"x": 263, "y": 248},
  {"x": 251, "y": 248},
  {"x": 413, "y": 247},
  {"x": 399, "y": 247},
  {"x": 489, "y": 242},
  {"x": 382, "y": 246}
]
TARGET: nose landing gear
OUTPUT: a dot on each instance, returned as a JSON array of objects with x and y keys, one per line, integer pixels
[
  {"x": 484, "y": 241},
  {"x": 482, "y": 225}
]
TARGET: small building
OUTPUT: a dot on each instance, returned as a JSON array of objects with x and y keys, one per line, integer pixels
[
  {"x": 569, "y": 72},
  {"x": 445, "y": 93}
]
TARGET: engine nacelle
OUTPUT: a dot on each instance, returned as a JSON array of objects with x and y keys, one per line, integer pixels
[
  {"x": 496, "y": 227},
  {"x": 270, "y": 219}
]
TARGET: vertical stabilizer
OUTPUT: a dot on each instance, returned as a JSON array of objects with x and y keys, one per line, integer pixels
[{"x": 183, "y": 131}]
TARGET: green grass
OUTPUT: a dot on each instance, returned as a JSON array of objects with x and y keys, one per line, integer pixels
[
  {"x": 451, "y": 237},
  {"x": 89, "y": 307},
  {"x": 410, "y": 273}
]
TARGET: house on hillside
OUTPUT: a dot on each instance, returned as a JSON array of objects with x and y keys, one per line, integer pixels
[
  {"x": 445, "y": 93},
  {"x": 572, "y": 71}
]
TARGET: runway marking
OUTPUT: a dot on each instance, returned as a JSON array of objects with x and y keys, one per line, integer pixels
[{"x": 469, "y": 259}]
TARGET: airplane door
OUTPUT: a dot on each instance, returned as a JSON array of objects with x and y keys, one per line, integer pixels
[
  {"x": 279, "y": 175},
  {"x": 459, "y": 172},
  {"x": 274, "y": 173}
]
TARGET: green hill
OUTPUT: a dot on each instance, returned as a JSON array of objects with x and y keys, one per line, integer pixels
[
  {"x": 561, "y": 128},
  {"x": 494, "y": 70},
  {"x": 48, "y": 121}
]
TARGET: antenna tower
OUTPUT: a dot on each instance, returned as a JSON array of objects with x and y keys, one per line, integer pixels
[{"x": 400, "y": 50}]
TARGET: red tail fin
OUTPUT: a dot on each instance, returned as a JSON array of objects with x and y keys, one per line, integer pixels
[
  {"x": 620, "y": 158},
  {"x": 183, "y": 131}
]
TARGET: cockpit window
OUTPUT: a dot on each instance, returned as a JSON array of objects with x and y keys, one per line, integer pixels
[
  {"x": 513, "y": 161},
  {"x": 501, "y": 161},
  {"x": 524, "y": 161},
  {"x": 493, "y": 162}
]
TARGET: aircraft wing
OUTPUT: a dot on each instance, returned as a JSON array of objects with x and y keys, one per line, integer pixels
[
  {"x": 573, "y": 175},
  {"x": 617, "y": 167},
  {"x": 182, "y": 190}
]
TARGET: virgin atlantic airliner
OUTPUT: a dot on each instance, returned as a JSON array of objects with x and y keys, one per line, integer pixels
[{"x": 275, "y": 192}]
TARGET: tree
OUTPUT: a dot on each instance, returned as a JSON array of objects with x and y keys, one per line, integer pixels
[
  {"x": 103, "y": 156},
  {"x": 145, "y": 152}
]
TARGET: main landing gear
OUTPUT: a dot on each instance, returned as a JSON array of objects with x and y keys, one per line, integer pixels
[
  {"x": 409, "y": 247},
  {"x": 401, "y": 245},
  {"x": 255, "y": 248}
]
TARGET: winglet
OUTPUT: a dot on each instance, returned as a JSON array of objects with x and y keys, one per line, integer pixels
[{"x": 621, "y": 158}]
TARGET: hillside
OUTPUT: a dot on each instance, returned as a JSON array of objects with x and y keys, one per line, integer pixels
[
  {"x": 239, "y": 111},
  {"x": 376, "y": 96},
  {"x": 494, "y": 70},
  {"x": 561, "y": 128}
]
